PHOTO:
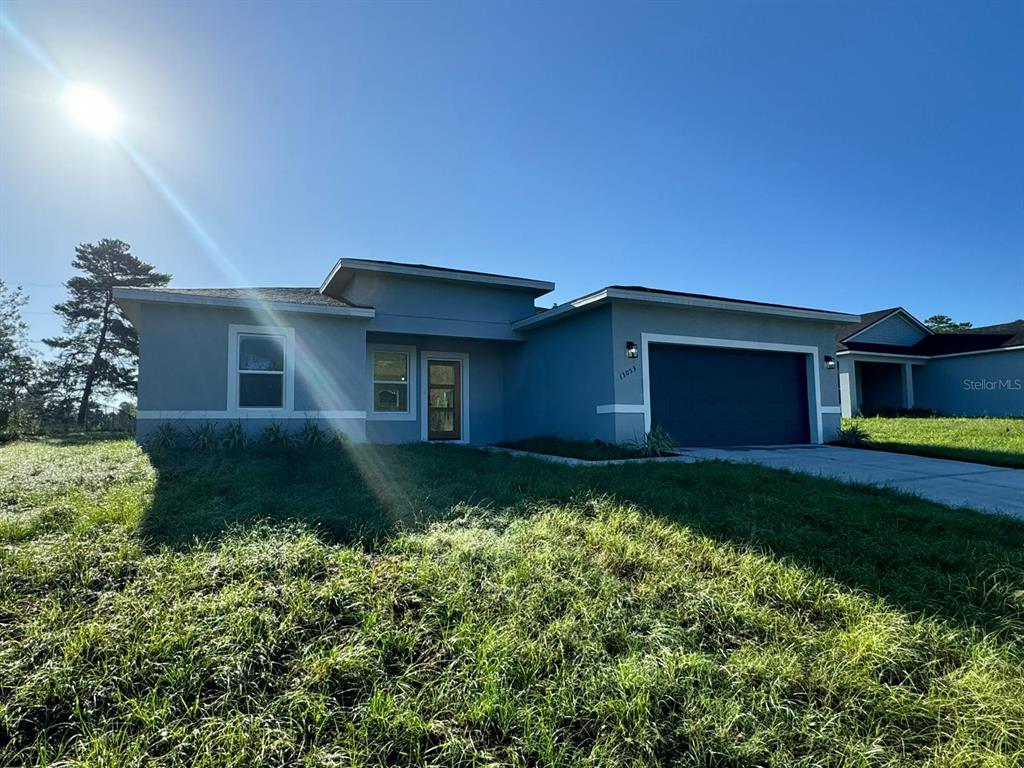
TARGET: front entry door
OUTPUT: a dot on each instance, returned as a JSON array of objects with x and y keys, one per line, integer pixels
[{"x": 444, "y": 400}]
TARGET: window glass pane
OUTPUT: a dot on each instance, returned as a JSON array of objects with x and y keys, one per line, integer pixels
[
  {"x": 260, "y": 390},
  {"x": 390, "y": 397},
  {"x": 390, "y": 366},
  {"x": 442, "y": 374},
  {"x": 441, "y": 421},
  {"x": 260, "y": 353},
  {"x": 441, "y": 398}
]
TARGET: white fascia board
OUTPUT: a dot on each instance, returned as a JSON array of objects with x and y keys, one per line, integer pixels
[
  {"x": 409, "y": 270},
  {"x": 646, "y": 297},
  {"x": 899, "y": 311},
  {"x": 978, "y": 352},
  {"x": 863, "y": 354},
  {"x": 169, "y": 297},
  {"x": 330, "y": 276},
  {"x": 731, "y": 306},
  {"x": 550, "y": 315}
]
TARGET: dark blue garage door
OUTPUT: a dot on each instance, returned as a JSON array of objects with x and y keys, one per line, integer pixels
[{"x": 712, "y": 396}]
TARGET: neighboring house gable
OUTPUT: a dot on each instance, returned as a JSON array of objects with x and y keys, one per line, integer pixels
[
  {"x": 896, "y": 329},
  {"x": 890, "y": 327}
]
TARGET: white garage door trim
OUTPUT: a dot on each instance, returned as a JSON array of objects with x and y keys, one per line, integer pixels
[{"x": 646, "y": 339}]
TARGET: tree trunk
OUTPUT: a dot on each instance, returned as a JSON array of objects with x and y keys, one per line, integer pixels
[{"x": 90, "y": 374}]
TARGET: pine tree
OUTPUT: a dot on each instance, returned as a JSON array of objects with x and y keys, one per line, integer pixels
[
  {"x": 99, "y": 348},
  {"x": 945, "y": 324},
  {"x": 16, "y": 358}
]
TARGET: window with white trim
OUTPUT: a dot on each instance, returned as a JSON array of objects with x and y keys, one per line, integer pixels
[
  {"x": 390, "y": 381},
  {"x": 261, "y": 370}
]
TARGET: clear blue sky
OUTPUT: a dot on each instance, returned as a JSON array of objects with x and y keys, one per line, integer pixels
[{"x": 843, "y": 155}]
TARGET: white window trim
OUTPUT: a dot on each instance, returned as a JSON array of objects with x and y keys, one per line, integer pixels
[
  {"x": 646, "y": 339},
  {"x": 461, "y": 357},
  {"x": 234, "y": 410},
  {"x": 410, "y": 398}
]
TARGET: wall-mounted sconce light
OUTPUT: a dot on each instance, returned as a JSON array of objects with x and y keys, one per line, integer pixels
[
  {"x": 631, "y": 350},
  {"x": 830, "y": 362}
]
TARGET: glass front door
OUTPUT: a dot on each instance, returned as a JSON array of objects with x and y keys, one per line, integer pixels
[{"x": 444, "y": 400}]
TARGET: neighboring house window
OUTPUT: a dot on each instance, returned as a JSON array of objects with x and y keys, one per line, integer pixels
[
  {"x": 390, "y": 382},
  {"x": 260, "y": 371},
  {"x": 261, "y": 368}
]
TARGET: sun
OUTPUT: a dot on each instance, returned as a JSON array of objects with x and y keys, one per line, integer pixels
[{"x": 91, "y": 110}]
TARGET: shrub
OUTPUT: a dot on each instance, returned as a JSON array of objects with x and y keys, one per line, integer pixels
[
  {"x": 233, "y": 438},
  {"x": 205, "y": 438},
  {"x": 312, "y": 436},
  {"x": 163, "y": 437},
  {"x": 853, "y": 435},
  {"x": 276, "y": 436},
  {"x": 891, "y": 412},
  {"x": 655, "y": 443}
]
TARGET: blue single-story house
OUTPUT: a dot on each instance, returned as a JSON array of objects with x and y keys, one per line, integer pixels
[
  {"x": 891, "y": 360},
  {"x": 389, "y": 352}
]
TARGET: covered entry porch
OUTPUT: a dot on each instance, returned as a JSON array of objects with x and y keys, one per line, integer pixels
[{"x": 870, "y": 383}]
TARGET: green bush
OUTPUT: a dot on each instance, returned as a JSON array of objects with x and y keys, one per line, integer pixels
[
  {"x": 205, "y": 438},
  {"x": 655, "y": 443},
  {"x": 233, "y": 438},
  {"x": 312, "y": 436},
  {"x": 891, "y": 412},
  {"x": 854, "y": 436},
  {"x": 163, "y": 437},
  {"x": 276, "y": 435}
]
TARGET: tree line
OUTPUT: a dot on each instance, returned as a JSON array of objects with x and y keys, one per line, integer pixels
[{"x": 93, "y": 360}]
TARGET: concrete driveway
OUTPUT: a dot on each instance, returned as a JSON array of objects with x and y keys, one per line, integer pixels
[{"x": 956, "y": 483}]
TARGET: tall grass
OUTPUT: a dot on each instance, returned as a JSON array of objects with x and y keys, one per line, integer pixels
[{"x": 577, "y": 629}]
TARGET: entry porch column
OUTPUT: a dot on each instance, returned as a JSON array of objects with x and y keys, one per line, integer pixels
[{"x": 908, "y": 385}]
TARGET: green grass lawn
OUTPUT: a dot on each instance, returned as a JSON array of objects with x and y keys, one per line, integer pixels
[
  {"x": 428, "y": 605},
  {"x": 575, "y": 449},
  {"x": 987, "y": 441}
]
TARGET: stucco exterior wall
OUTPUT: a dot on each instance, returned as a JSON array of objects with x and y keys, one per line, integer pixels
[
  {"x": 437, "y": 307},
  {"x": 183, "y": 363},
  {"x": 990, "y": 384},
  {"x": 630, "y": 321},
  {"x": 569, "y": 378},
  {"x": 555, "y": 381},
  {"x": 485, "y": 374}
]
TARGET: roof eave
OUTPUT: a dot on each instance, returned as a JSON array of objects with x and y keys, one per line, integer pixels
[
  {"x": 650, "y": 297},
  {"x": 864, "y": 353},
  {"x": 536, "y": 287},
  {"x": 169, "y": 297}
]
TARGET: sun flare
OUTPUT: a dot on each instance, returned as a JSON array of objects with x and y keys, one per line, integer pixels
[{"x": 91, "y": 110}]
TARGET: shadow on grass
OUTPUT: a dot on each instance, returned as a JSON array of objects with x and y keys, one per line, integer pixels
[
  {"x": 976, "y": 455},
  {"x": 963, "y": 566}
]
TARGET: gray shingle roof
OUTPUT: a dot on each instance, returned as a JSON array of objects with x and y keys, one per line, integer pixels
[
  {"x": 972, "y": 340},
  {"x": 292, "y": 295}
]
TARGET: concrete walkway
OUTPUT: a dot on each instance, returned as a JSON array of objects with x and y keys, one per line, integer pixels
[{"x": 956, "y": 483}]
